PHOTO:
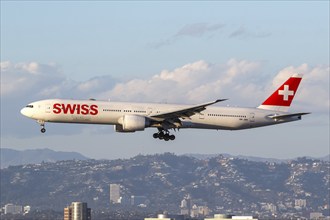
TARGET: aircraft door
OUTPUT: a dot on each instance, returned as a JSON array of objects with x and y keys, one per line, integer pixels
[
  {"x": 149, "y": 111},
  {"x": 252, "y": 117}
]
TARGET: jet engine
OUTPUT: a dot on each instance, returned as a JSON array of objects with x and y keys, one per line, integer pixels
[{"x": 132, "y": 123}]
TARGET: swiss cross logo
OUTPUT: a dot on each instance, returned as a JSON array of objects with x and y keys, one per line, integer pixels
[{"x": 286, "y": 92}]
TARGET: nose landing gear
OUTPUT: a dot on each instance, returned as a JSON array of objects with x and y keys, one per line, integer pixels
[{"x": 42, "y": 124}]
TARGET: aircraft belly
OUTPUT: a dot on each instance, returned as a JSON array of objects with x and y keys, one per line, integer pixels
[{"x": 216, "y": 124}]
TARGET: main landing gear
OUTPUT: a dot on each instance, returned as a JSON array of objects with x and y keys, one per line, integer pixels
[
  {"x": 164, "y": 135},
  {"x": 42, "y": 124}
]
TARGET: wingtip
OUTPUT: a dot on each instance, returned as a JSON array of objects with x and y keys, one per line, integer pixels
[{"x": 221, "y": 100}]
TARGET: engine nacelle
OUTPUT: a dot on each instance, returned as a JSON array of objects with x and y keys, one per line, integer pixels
[{"x": 132, "y": 123}]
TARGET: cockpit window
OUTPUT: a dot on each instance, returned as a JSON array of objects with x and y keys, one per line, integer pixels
[{"x": 29, "y": 106}]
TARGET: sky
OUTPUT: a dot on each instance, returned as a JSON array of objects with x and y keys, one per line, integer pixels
[{"x": 187, "y": 52}]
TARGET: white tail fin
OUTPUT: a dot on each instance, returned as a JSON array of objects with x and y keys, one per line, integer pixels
[{"x": 281, "y": 99}]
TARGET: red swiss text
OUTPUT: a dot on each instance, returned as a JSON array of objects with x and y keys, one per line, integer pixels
[{"x": 82, "y": 109}]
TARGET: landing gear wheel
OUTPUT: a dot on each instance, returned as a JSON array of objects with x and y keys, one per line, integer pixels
[
  {"x": 166, "y": 137},
  {"x": 161, "y": 135},
  {"x": 42, "y": 124}
]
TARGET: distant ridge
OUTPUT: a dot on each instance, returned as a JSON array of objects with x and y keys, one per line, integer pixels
[
  {"x": 10, "y": 157},
  {"x": 252, "y": 158}
]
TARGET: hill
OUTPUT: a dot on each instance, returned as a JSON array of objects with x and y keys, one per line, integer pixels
[
  {"x": 10, "y": 157},
  {"x": 253, "y": 158},
  {"x": 223, "y": 185}
]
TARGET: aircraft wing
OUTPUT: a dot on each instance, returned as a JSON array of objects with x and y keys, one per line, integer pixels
[
  {"x": 185, "y": 112},
  {"x": 277, "y": 117}
]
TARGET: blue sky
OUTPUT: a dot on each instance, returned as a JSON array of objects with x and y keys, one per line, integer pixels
[{"x": 121, "y": 51}]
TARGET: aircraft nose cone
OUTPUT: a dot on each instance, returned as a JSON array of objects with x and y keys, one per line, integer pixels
[{"x": 25, "y": 112}]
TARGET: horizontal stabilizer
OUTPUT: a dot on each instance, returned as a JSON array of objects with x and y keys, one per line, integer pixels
[{"x": 277, "y": 117}]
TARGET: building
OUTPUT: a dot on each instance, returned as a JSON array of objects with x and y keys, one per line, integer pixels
[
  {"x": 199, "y": 211},
  {"x": 316, "y": 215},
  {"x": 138, "y": 200},
  {"x": 13, "y": 209},
  {"x": 77, "y": 211},
  {"x": 26, "y": 209},
  {"x": 124, "y": 200},
  {"x": 270, "y": 207},
  {"x": 300, "y": 203},
  {"x": 67, "y": 213},
  {"x": 159, "y": 217},
  {"x": 225, "y": 217},
  {"x": 114, "y": 193},
  {"x": 186, "y": 205}
]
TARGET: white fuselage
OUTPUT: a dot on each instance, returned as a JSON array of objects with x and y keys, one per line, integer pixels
[{"x": 106, "y": 112}]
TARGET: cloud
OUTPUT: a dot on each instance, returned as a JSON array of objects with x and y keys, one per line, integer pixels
[
  {"x": 242, "y": 81},
  {"x": 199, "y": 29},
  {"x": 238, "y": 80},
  {"x": 244, "y": 33},
  {"x": 190, "y": 30},
  {"x": 29, "y": 77},
  {"x": 167, "y": 85},
  {"x": 35, "y": 80},
  {"x": 192, "y": 83}
]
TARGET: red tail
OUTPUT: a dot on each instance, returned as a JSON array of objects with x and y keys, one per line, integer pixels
[{"x": 281, "y": 99}]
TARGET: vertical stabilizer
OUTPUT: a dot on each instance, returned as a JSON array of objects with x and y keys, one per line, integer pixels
[{"x": 281, "y": 99}]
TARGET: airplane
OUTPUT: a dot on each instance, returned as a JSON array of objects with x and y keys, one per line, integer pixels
[{"x": 131, "y": 117}]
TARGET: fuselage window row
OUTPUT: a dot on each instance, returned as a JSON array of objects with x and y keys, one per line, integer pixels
[
  {"x": 116, "y": 110},
  {"x": 219, "y": 115},
  {"x": 111, "y": 110},
  {"x": 136, "y": 111}
]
